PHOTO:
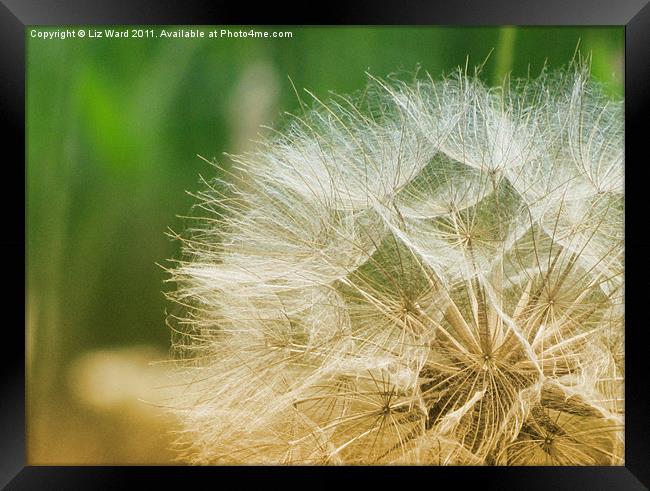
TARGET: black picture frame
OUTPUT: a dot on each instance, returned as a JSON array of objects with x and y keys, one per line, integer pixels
[{"x": 15, "y": 15}]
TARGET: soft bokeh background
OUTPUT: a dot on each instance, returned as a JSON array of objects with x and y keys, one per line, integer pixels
[{"x": 114, "y": 127}]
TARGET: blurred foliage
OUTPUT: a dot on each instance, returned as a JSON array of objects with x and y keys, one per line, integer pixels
[{"x": 113, "y": 130}]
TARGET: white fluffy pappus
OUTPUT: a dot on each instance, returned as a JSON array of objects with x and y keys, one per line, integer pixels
[{"x": 430, "y": 272}]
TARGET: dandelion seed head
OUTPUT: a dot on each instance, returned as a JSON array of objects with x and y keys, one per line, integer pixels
[{"x": 431, "y": 272}]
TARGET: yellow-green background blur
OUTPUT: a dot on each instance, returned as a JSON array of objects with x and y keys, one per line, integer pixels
[{"x": 113, "y": 130}]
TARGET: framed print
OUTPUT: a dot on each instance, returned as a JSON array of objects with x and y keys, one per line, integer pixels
[{"x": 406, "y": 239}]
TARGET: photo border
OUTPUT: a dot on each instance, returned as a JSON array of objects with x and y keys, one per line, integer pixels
[{"x": 15, "y": 15}]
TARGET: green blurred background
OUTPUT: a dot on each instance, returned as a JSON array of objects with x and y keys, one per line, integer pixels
[{"x": 113, "y": 130}]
